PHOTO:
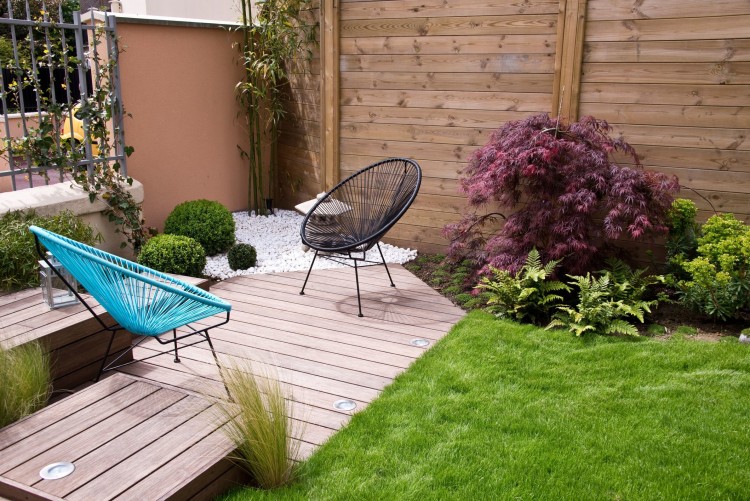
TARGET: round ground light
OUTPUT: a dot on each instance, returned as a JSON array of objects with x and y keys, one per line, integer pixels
[
  {"x": 420, "y": 343},
  {"x": 56, "y": 470},
  {"x": 344, "y": 405}
]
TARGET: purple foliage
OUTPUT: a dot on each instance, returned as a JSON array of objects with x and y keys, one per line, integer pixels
[{"x": 567, "y": 194}]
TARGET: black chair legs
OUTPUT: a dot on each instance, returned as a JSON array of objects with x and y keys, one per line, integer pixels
[
  {"x": 302, "y": 292},
  {"x": 356, "y": 278},
  {"x": 176, "y": 356},
  {"x": 386, "y": 265},
  {"x": 356, "y": 273}
]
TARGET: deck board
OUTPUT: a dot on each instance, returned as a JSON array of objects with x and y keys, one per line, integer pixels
[{"x": 151, "y": 432}]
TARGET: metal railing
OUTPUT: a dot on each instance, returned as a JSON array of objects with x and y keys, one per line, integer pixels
[{"x": 50, "y": 58}]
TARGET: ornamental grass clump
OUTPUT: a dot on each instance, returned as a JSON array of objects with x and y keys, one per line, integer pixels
[
  {"x": 260, "y": 423},
  {"x": 26, "y": 381},
  {"x": 567, "y": 195}
]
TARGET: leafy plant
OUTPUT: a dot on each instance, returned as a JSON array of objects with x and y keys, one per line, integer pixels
[
  {"x": 529, "y": 294},
  {"x": 26, "y": 381},
  {"x": 261, "y": 425},
  {"x": 455, "y": 280},
  {"x": 718, "y": 284},
  {"x": 275, "y": 34},
  {"x": 41, "y": 147},
  {"x": 607, "y": 304},
  {"x": 682, "y": 239},
  {"x": 207, "y": 221},
  {"x": 567, "y": 195},
  {"x": 174, "y": 254},
  {"x": 18, "y": 257},
  {"x": 241, "y": 256}
]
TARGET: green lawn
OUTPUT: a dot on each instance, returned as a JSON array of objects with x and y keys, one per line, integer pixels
[{"x": 498, "y": 410}]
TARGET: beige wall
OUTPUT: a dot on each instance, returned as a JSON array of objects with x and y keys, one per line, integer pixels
[
  {"x": 219, "y": 10},
  {"x": 15, "y": 126},
  {"x": 178, "y": 84}
]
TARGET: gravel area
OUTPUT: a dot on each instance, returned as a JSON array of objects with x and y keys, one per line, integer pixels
[{"x": 277, "y": 241}]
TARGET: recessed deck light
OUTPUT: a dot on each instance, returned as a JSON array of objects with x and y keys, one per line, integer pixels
[
  {"x": 420, "y": 343},
  {"x": 57, "y": 470},
  {"x": 344, "y": 405}
]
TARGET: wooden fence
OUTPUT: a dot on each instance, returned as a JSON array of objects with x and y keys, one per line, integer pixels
[{"x": 431, "y": 79}]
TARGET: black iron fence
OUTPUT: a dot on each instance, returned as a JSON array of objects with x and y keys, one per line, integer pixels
[{"x": 59, "y": 94}]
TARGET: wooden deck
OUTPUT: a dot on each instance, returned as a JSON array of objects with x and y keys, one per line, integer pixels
[
  {"x": 315, "y": 343},
  {"x": 69, "y": 334}
]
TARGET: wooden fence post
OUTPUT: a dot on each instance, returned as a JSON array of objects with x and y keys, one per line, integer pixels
[
  {"x": 329, "y": 124},
  {"x": 571, "y": 27}
]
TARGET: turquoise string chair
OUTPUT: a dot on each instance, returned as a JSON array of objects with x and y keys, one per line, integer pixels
[{"x": 143, "y": 301}]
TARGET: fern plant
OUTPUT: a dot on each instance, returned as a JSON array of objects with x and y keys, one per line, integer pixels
[
  {"x": 528, "y": 295},
  {"x": 607, "y": 304}
]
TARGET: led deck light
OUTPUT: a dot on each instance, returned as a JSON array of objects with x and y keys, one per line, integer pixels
[
  {"x": 344, "y": 405},
  {"x": 55, "y": 471},
  {"x": 420, "y": 343}
]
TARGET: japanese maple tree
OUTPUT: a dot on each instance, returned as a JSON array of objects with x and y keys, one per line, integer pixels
[{"x": 563, "y": 191}]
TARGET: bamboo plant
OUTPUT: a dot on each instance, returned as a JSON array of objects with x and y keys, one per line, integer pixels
[{"x": 275, "y": 34}]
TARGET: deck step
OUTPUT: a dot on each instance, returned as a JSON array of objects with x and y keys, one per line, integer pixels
[{"x": 127, "y": 437}]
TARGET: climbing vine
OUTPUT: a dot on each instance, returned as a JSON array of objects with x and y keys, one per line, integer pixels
[{"x": 91, "y": 161}]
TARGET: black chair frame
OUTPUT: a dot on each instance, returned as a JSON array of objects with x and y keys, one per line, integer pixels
[{"x": 352, "y": 217}]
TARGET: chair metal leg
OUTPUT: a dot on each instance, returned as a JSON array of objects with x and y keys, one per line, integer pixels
[
  {"x": 356, "y": 278},
  {"x": 218, "y": 366},
  {"x": 302, "y": 292},
  {"x": 106, "y": 355},
  {"x": 386, "y": 266},
  {"x": 176, "y": 357}
]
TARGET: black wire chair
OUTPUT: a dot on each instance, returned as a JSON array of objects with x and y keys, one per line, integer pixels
[{"x": 352, "y": 218}]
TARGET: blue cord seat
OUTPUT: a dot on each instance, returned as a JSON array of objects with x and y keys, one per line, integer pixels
[{"x": 142, "y": 301}]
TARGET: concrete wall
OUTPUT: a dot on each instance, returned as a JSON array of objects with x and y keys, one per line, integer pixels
[
  {"x": 218, "y": 10},
  {"x": 55, "y": 198},
  {"x": 178, "y": 83}
]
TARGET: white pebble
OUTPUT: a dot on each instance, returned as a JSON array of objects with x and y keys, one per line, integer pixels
[{"x": 278, "y": 245}]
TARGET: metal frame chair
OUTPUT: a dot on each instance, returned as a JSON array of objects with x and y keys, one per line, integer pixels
[
  {"x": 143, "y": 301},
  {"x": 353, "y": 217}
]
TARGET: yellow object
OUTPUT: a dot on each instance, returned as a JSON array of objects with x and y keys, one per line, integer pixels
[{"x": 77, "y": 133}]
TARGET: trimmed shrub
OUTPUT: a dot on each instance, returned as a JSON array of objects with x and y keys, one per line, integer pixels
[
  {"x": 174, "y": 254},
  {"x": 19, "y": 266},
  {"x": 241, "y": 256},
  {"x": 207, "y": 221},
  {"x": 564, "y": 192}
]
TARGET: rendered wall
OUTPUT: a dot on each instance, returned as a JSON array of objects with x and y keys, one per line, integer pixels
[
  {"x": 178, "y": 83},
  {"x": 219, "y": 10}
]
